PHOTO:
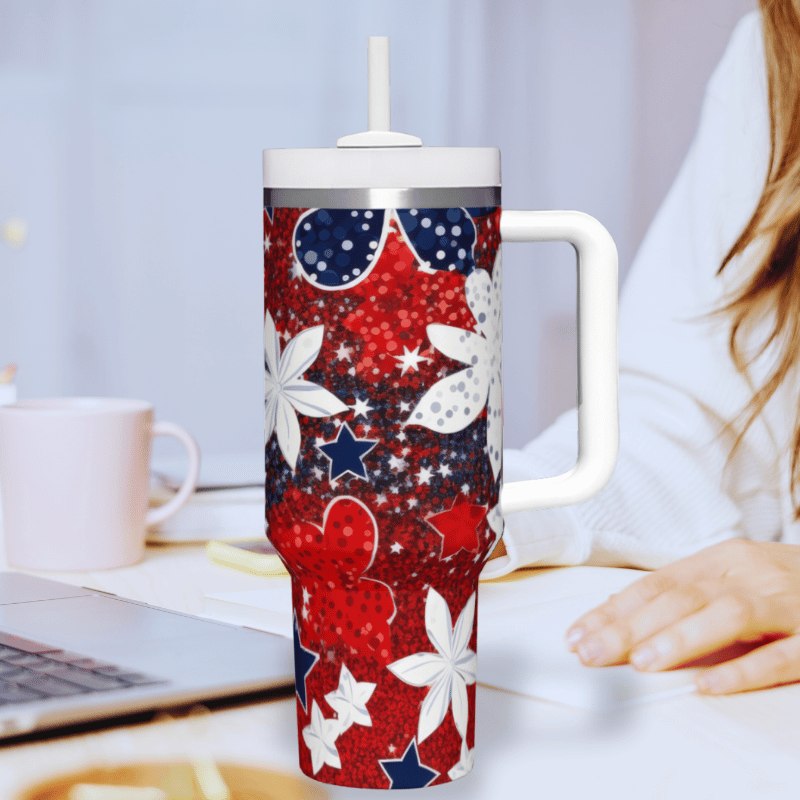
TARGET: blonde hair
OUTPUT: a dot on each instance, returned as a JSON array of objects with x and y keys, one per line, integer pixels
[{"x": 774, "y": 287}]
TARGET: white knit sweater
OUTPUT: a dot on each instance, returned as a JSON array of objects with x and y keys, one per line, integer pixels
[{"x": 671, "y": 493}]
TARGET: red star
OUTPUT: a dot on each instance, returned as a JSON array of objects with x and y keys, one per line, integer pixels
[{"x": 458, "y": 526}]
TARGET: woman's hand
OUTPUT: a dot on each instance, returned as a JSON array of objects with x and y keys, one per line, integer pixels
[{"x": 736, "y": 591}]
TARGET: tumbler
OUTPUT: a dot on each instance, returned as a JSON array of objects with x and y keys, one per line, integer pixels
[{"x": 383, "y": 411}]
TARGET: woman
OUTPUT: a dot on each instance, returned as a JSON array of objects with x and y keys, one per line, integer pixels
[{"x": 710, "y": 431}]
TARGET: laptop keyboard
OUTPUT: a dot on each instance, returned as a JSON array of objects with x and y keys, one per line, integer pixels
[{"x": 32, "y": 671}]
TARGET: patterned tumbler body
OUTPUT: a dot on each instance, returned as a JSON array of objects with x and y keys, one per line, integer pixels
[{"x": 382, "y": 349}]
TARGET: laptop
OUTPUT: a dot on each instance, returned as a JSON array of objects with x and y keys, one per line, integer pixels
[{"x": 70, "y": 655}]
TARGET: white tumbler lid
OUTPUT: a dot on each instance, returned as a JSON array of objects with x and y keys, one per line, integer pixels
[{"x": 380, "y": 158}]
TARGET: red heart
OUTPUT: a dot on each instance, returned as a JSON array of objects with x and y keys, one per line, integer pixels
[
  {"x": 358, "y": 616},
  {"x": 340, "y": 551},
  {"x": 329, "y": 562}
]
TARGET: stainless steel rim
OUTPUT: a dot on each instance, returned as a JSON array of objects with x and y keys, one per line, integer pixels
[{"x": 449, "y": 197}]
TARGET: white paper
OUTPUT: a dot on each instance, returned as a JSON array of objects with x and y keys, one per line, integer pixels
[{"x": 268, "y": 609}]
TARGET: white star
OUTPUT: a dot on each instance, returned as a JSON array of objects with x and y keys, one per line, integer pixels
[
  {"x": 306, "y": 595},
  {"x": 267, "y": 243},
  {"x": 424, "y": 476},
  {"x": 361, "y": 407},
  {"x": 320, "y": 738},
  {"x": 305, "y": 612},
  {"x": 401, "y": 437},
  {"x": 296, "y": 271},
  {"x": 465, "y": 488},
  {"x": 410, "y": 359},
  {"x": 381, "y": 500},
  {"x": 444, "y": 470},
  {"x": 351, "y": 371},
  {"x": 349, "y": 701},
  {"x": 396, "y": 548},
  {"x": 412, "y": 502},
  {"x": 318, "y": 473},
  {"x": 405, "y": 451},
  {"x": 398, "y": 464},
  {"x": 448, "y": 671},
  {"x": 343, "y": 353},
  {"x": 404, "y": 407},
  {"x": 392, "y": 748}
]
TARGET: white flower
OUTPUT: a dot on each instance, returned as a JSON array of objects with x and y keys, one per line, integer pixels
[
  {"x": 320, "y": 738},
  {"x": 286, "y": 393},
  {"x": 455, "y": 401},
  {"x": 448, "y": 671},
  {"x": 465, "y": 764},
  {"x": 349, "y": 701},
  {"x": 495, "y": 520}
]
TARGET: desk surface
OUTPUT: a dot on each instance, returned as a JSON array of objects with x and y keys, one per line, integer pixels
[{"x": 745, "y": 746}]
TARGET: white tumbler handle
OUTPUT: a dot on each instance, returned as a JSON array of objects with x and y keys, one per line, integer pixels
[{"x": 598, "y": 367}]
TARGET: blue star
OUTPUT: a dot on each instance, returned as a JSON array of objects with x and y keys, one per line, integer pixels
[
  {"x": 407, "y": 772},
  {"x": 304, "y": 661},
  {"x": 345, "y": 453}
]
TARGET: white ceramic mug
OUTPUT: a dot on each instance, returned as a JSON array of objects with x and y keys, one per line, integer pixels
[{"x": 74, "y": 475}]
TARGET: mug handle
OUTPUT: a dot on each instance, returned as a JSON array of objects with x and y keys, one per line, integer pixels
[
  {"x": 162, "y": 512},
  {"x": 598, "y": 365}
]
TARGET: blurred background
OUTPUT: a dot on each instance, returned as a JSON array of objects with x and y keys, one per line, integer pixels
[{"x": 130, "y": 170}]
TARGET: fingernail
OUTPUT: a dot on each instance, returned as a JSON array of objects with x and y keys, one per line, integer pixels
[
  {"x": 643, "y": 658},
  {"x": 713, "y": 682},
  {"x": 575, "y": 635},
  {"x": 591, "y": 651}
]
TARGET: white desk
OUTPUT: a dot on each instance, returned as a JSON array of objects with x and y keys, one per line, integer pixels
[{"x": 745, "y": 746}]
